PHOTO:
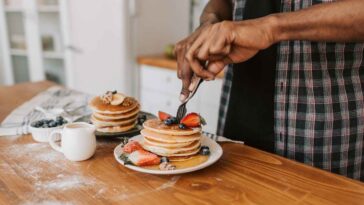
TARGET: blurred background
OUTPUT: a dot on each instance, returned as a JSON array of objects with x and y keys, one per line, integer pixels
[{"x": 98, "y": 45}]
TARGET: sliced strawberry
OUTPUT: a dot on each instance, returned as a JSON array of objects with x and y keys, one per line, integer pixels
[
  {"x": 193, "y": 120},
  {"x": 132, "y": 146},
  {"x": 144, "y": 158},
  {"x": 163, "y": 115}
]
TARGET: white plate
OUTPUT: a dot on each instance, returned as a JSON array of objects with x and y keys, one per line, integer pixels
[{"x": 215, "y": 154}]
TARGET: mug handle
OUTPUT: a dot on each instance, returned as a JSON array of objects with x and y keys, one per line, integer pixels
[{"x": 52, "y": 140}]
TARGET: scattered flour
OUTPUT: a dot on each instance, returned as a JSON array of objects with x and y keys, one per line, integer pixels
[
  {"x": 64, "y": 183},
  {"x": 48, "y": 202},
  {"x": 169, "y": 183},
  {"x": 42, "y": 163},
  {"x": 48, "y": 172}
]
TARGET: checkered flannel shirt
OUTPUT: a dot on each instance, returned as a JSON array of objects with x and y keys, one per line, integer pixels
[{"x": 319, "y": 104}]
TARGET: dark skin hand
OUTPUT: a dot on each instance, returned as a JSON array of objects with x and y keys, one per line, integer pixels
[
  {"x": 233, "y": 42},
  {"x": 214, "y": 12}
]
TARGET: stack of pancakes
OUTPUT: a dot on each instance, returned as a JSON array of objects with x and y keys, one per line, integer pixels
[
  {"x": 114, "y": 118},
  {"x": 170, "y": 141}
]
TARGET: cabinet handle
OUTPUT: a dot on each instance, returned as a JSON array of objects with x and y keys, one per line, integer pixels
[{"x": 74, "y": 49}]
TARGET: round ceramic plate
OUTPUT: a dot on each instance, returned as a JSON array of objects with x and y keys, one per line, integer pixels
[
  {"x": 129, "y": 133},
  {"x": 215, "y": 154}
]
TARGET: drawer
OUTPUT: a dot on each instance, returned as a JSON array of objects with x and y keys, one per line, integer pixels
[{"x": 161, "y": 80}]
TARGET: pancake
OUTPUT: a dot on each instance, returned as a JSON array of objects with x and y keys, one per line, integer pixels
[
  {"x": 158, "y": 126},
  {"x": 164, "y": 138},
  {"x": 167, "y": 145},
  {"x": 100, "y": 123},
  {"x": 125, "y": 115},
  {"x": 114, "y": 129},
  {"x": 179, "y": 154},
  {"x": 98, "y": 106},
  {"x": 163, "y": 151}
]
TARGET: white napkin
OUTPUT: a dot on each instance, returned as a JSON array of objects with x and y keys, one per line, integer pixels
[
  {"x": 18, "y": 121},
  {"x": 218, "y": 138}
]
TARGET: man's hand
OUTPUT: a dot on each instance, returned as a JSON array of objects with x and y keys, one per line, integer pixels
[
  {"x": 227, "y": 42},
  {"x": 184, "y": 71}
]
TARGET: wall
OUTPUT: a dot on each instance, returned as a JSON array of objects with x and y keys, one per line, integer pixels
[
  {"x": 160, "y": 22},
  {"x": 99, "y": 36}
]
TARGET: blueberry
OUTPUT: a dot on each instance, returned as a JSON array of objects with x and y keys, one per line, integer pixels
[
  {"x": 205, "y": 147},
  {"x": 114, "y": 92},
  {"x": 64, "y": 121},
  {"x": 205, "y": 150},
  {"x": 174, "y": 120},
  {"x": 34, "y": 124},
  {"x": 52, "y": 124},
  {"x": 168, "y": 121},
  {"x": 164, "y": 159},
  {"x": 37, "y": 124},
  {"x": 45, "y": 126},
  {"x": 141, "y": 119},
  {"x": 59, "y": 118},
  {"x": 182, "y": 126}
]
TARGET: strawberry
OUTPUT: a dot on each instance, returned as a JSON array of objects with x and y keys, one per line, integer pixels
[
  {"x": 132, "y": 146},
  {"x": 144, "y": 158},
  {"x": 163, "y": 116},
  {"x": 193, "y": 120}
]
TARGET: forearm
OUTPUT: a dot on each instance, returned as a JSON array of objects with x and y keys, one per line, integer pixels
[
  {"x": 216, "y": 11},
  {"x": 340, "y": 21}
]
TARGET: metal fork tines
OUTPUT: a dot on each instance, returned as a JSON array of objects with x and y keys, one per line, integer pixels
[{"x": 181, "y": 111}]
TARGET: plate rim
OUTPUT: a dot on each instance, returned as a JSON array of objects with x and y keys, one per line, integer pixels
[{"x": 218, "y": 150}]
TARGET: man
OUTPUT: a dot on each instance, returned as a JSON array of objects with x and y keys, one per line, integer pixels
[{"x": 295, "y": 82}]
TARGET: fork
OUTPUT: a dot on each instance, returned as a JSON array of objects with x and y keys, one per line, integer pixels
[{"x": 181, "y": 111}]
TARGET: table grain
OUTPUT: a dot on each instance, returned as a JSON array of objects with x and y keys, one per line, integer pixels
[{"x": 33, "y": 173}]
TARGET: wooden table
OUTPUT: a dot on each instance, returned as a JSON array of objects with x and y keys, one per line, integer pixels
[{"x": 32, "y": 172}]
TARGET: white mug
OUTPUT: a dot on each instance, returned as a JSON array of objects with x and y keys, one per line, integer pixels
[{"x": 78, "y": 141}]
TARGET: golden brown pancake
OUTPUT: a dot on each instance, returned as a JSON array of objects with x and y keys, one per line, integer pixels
[
  {"x": 178, "y": 154},
  {"x": 170, "y": 150},
  {"x": 128, "y": 105},
  {"x": 171, "y": 139},
  {"x": 125, "y": 115},
  {"x": 158, "y": 126},
  {"x": 167, "y": 145},
  {"x": 114, "y": 129},
  {"x": 115, "y": 121},
  {"x": 101, "y": 123}
]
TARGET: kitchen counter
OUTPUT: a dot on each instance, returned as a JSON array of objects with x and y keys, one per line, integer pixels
[
  {"x": 163, "y": 62},
  {"x": 33, "y": 173}
]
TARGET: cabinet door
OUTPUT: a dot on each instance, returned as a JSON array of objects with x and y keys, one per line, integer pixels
[
  {"x": 159, "y": 79},
  {"x": 101, "y": 49}
]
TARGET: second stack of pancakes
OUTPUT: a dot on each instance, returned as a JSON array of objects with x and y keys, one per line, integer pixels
[
  {"x": 114, "y": 118},
  {"x": 170, "y": 141}
]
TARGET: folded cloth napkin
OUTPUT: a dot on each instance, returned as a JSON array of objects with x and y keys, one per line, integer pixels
[
  {"x": 218, "y": 138},
  {"x": 54, "y": 98}
]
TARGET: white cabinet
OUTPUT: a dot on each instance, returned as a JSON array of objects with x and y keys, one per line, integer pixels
[
  {"x": 160, "y": 88},
  {"x": 31, "y": 40},
  {"x": 85, "y": 45}
]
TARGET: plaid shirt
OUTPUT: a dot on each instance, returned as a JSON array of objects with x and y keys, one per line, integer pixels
[{"x": 319, "y": 103}]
